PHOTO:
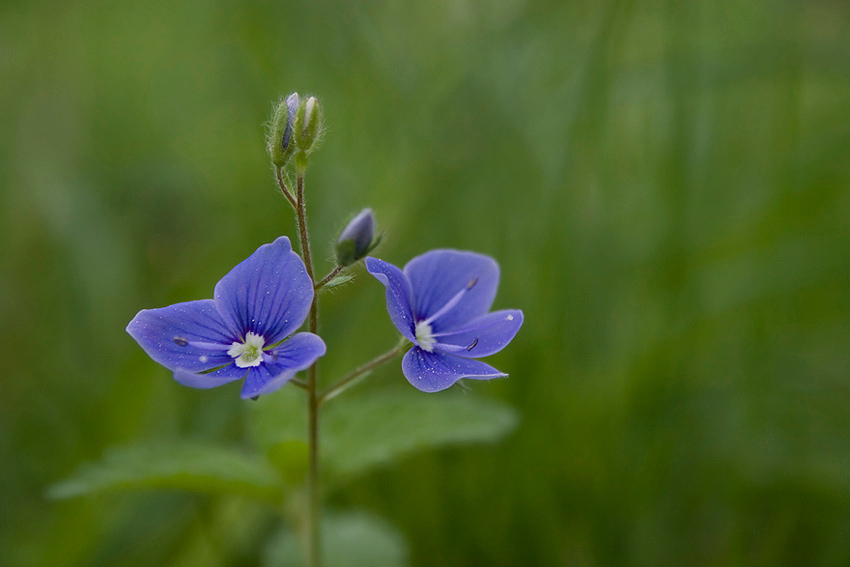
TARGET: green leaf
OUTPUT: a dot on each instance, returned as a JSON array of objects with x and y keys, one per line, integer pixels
[
  {"x": 338, "y": 281},
  {"x": 350, "y": 539},
  {"x": 174, "y": 465},
  {"x": 367, "y": 431},
  {"x": 359, "y": 433}
]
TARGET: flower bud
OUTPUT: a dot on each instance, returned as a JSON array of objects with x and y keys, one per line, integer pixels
[
  {"x": 357, "y": 239},
  {"x": 308, "y": 124},
  {"x": 280, "y": 143}
]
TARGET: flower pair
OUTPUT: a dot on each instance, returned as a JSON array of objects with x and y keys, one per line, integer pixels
[{"x": 439, "y": 302}]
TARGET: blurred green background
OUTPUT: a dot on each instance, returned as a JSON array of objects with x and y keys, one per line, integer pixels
[{"x": 665, "y": 186}]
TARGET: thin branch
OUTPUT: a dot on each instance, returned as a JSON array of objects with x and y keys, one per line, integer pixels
[
  {"x": 353, "y": 375},
  {"x": 282, "y": 184}
]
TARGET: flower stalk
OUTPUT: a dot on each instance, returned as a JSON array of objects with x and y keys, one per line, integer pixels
[
  {"x": 313, "y": 524},
  {"x": 346, "y": 380},
  {"x": 284, "y": 189}
]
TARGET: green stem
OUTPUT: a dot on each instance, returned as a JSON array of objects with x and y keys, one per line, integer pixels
[
  {"x": 337, "y": 387},
  {"x": 313, "y": 524}
]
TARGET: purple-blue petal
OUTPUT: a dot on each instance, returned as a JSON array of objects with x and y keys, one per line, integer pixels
[
  {"x": 434, "y": 371},
  {"x": 219, "y": 377},
  {"x": 269, "y": 293},
  {"x": 437, "y": 276},
  {"x": 190, "y": 322},
  {"x": 483, "y": 336},
  {"x": 399, "y": 295},
  {"x": 280, "y": 365}
]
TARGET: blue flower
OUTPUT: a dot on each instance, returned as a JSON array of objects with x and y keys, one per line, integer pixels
[
  {"x": 242, "y": 332},
  {"x": 440, "y": 303}
]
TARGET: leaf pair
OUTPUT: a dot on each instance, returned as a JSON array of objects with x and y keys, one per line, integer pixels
[{"x": 364, "y": 433}]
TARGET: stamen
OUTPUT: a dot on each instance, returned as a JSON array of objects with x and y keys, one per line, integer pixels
[
  {"x": 424, "y": 336},
  {"x": 248, "y": 353},
  {"x": 472, "y": 346},
  {"x": 452, "y": 302}
]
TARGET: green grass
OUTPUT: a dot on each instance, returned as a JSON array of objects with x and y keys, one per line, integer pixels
[{"x": 665, "y": 187}]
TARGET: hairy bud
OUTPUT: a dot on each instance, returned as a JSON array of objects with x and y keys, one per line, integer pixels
[
  {"x": 280, "y": 143},
  {"x": 357, "y": 239}
]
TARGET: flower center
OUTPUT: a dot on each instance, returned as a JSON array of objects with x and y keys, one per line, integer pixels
[
  {"x": 425, "y": 336},
  {"x": 248, "y": 353}
]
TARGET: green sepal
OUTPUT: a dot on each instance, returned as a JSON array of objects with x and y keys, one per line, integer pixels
[
  {"x": 346, "y": 251},
  {"x": 308, "y": 124},
  {"x": 279, "y": 139}
]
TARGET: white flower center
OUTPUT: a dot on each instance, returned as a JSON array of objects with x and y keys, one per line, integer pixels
[
  {"x": 424, "y": 336},
  {"x": 248, "y": 353}
]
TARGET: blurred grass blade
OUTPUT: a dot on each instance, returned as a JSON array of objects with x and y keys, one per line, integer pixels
[
  {"x": 350, "y": 539},
  {"x": 175, "y": 465}
]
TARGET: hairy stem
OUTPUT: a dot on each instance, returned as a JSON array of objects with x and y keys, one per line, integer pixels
[
  {"x": 283, "y": 189},
  {"x": 313, "y": 523}
]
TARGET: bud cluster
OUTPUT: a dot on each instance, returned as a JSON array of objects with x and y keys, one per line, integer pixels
[
  {"x": 295, "y": 130},
  {"x": 296, "y": 126}
]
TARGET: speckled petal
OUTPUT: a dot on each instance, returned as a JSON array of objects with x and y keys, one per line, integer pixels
[
  {"x": 269, "y": 293},
  {"x": 483, "y": 336},
  {"x": 195, "y": 324},
  {"x": 229, "y": 373},
  {"x": 437, "y": 276},
  {"x": 398, "y": 294},
  {"x": 434, "y": 371}
]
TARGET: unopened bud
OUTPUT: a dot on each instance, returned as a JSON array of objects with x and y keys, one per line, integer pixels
[
  {"x": 280, "y": 143},
  {"x": 357, "y": 239},
  {"x": 308, "y": 124}
]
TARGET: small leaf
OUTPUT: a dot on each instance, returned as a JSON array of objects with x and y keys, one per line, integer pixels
[
  {"x": 350, "y": 539},
  {"x": 339, "y": 281},
  {"x": 373, "y": 430},
  {"x": 175, "y": 465}
]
